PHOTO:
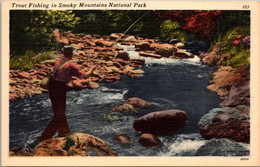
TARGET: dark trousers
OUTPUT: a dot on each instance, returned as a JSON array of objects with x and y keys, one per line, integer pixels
[{"x": 57, "y": 94}]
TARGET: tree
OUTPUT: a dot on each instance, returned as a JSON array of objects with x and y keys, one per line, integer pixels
[
  {"x": 201, "y": 23},
  {"x": 32, "y": 29}
]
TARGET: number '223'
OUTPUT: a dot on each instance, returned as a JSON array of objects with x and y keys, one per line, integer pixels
[{"x": 245, "y": 7}]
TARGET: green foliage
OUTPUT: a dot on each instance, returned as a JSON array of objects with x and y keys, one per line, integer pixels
[
  {"x": 117, "y": 21},
  {"x": 240, "y": 54},
  {"x": 26, "y": 61},
  {"x": 32, "y": 29},
  {"x": 239, "y": 58},
  {"x": 233, "y": 19},
  {"x": 69, "y": 143},
  {"x": 169, "y": 29},
  {"x": 72, "y": 153},
  {"x": 110, "y": 117},
  {"x": 231, "y": 35}
]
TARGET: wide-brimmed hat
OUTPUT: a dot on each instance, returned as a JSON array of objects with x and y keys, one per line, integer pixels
[{"x": 68, "y": 49}]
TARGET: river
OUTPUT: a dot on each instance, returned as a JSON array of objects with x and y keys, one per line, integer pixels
[{"x": 166, "y": 84}]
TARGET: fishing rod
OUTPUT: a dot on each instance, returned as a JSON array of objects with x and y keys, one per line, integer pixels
[{"x": 135, "y": 22}]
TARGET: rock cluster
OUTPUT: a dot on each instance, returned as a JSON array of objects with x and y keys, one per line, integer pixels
[
  {"x": 79, "y": 145},
  {"x": 232, "y": 120},
  {"x": 111, "y": 61},
  {"x": 153, "y": 124},
  {"x": 130, "y": 105}
]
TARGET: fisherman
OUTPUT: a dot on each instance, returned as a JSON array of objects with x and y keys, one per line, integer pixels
[{"x": 65, "y": 69}]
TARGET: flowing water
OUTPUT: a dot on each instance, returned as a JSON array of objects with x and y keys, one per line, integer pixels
[{"x": 166, "y": 84}]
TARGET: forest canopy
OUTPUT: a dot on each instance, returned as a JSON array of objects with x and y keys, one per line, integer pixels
[{"x": 31, "y": 30}]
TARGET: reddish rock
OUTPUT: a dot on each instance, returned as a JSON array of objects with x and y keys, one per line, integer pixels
[
  {"x": 154, "y": 45},
  {"x": 149, "y": 140},
  {"x": 128, "y": 69},
  {"x": 24, "y": 75},
  {"x": 80, "y": 144},
  {"x": 111, "y": 78},
  {"x": 93, "y": 85},
  {"x": 229, "y": 123},
  {"x": 51, "y": 147},
  {"x": 13, "y": 96},
  {"x": 77, "y": 84},
  {"x": 142, "y": 46},
  {"x": 84, "y": 82},
  {"x": 115, "y": 36},
  {"x": 124, "y": 139},
  {"x": 165, "y": 50},
  {"x": 137, "y": 72},
  {"x": 19, "y": 151},
  {"x": 120, "y": 61},
  {"x": 225, "y": 77},
  {"x": 100, "y": 49},
  {"x": 161, "y": 122},
  {"x": 118, "y": 49},
  {"x": 89, "y": 43},
  {"x": 183, "y": 55},
  {"x": 125, "y": 108},
  {"x": 237, "y": 96},
  {"x": 87, "y": 37},
  {"x": 118, "y": 65},
  {"x": 137, "y": 102},
  {"x": 122, "y": 55},
  {"x": 215, "y": 57},
  {"x": 12, "y": 82},
  {"x": 130, "y": 38},
  {"x": 137, "y": 61},
  {"x": 82, "y": 53},
  {"x": 107, "y": 43}
]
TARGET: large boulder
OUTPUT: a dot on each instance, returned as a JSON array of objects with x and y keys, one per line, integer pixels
[
  {"x": 76, "y": 144},
  {"x": 160, "y": 122},
  {"x": 230, "y": 123},
  {"x": 222, "y": 147},
  {"x": 149, "y": 140},
  {"x": 137, "y": 102}
]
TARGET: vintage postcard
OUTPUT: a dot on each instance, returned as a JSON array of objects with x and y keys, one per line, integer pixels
[{"x": 130, "y": 83}]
